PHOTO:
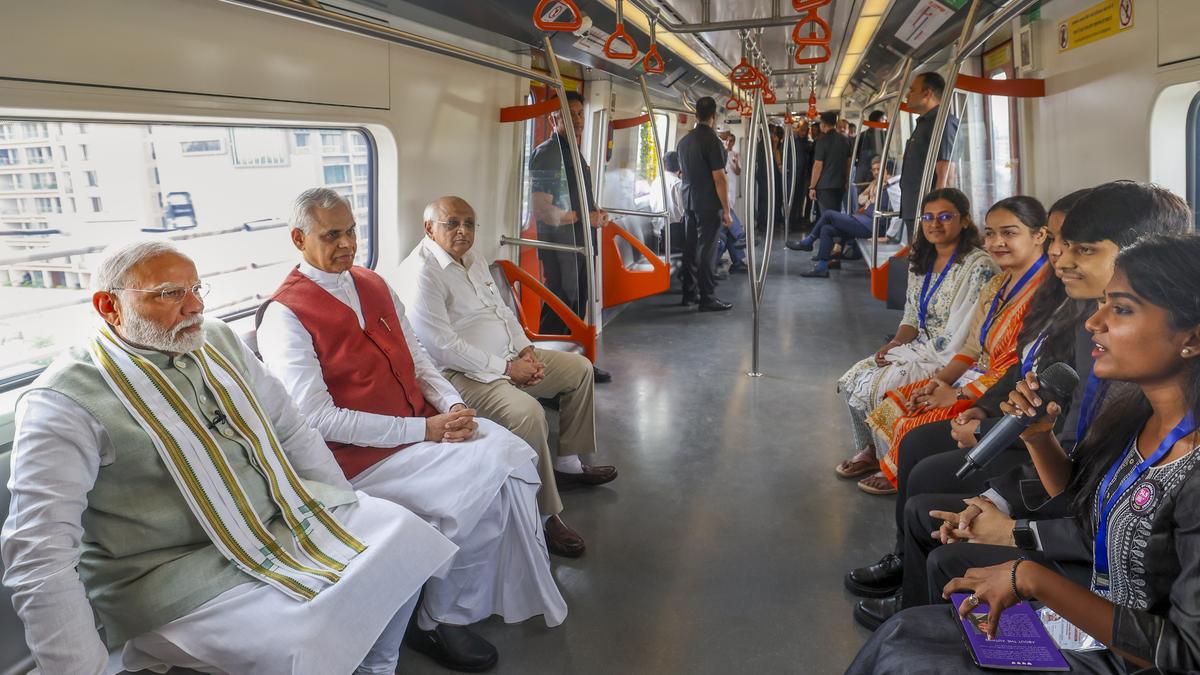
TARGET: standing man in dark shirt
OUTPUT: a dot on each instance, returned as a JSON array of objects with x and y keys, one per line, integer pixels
[
  {"x": 924, "y": 97},
  {"x": 706, "y": 204},
  {"x": 831, "y": 166},
  {"x": 556, "y": 205}
]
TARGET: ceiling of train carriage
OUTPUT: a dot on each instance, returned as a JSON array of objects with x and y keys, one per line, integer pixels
[{"x": 868, "y": 38}]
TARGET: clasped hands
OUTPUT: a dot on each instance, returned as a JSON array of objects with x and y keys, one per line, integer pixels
[
  {"x": 935, "y": 394},
  {"x": 455, "y": 426},
  {"x": 980, "y": 523},
  {"x": 526, "y": 370}
]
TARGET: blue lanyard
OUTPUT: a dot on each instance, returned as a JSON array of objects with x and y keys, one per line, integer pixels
[
  {"x": 991, "y": 315},
  {"x": 1031, "y": 355},
  {"x": 927, "y": 292},
  {"x": 1185, "y": 427},
  {"x": 1095, "y": 390}
]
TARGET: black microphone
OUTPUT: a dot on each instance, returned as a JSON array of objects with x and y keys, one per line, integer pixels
[{"x": 1057, "y": 383}]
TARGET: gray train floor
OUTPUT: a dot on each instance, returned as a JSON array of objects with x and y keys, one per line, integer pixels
[{"x": 721, "y": 546}]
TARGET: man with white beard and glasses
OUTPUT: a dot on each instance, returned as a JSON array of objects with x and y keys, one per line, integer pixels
[{"x": 162, "y": 478}]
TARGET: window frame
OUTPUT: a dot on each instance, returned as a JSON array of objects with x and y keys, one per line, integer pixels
[
  {"x": 372, "y": 160},
  {"x": 1193, "y": 158}
]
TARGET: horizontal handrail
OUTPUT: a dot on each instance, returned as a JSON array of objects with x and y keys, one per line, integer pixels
[
  {"x": 631, "y": 212},
  {"x": 535, "y": 243}
]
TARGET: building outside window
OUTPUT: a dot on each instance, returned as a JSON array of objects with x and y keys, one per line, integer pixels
[
  {"x": 254, "y": 147},
  {"x": 92, "y": 179},
  {"x": 34, "y": 130},
  {"x": 83, "y": 152},
  {"x": 207, "y": 147},
  {"x": 43, "y": 181},
  {"x": 333, "y": 142},
  {"x": 47, "y": 205},
  {"x": 40, "y": 155},
  {"x": 337, "y": 174},
  {"x": 8, "y": 156},
  {"x": 97, "y": 205}
]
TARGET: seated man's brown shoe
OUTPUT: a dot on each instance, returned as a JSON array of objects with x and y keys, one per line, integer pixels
[
  {"x": 562, "y": 540},
  {"x": 591, "y": 477}
]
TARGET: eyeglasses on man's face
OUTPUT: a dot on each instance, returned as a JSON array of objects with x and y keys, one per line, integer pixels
[
  {"x": 943, "y": 217},
  {"x": 454, "y": 223},
  {"x": 173, "y": 294}
]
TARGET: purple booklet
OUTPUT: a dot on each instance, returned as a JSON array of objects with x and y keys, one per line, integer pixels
[{"x": 1021, "y": 642}]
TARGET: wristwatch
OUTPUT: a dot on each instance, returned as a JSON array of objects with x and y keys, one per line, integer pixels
[{"x": 1023, "y": 535}]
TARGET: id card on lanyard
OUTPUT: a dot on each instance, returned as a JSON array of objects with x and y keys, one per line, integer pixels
[
  {"x": 1186, "y": 427},
  {"x": 1002, "y": 298},
  {"x": 927, "y": 293}
]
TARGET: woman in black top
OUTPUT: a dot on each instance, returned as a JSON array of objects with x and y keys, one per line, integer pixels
[{"x": 1135, "y": 480}]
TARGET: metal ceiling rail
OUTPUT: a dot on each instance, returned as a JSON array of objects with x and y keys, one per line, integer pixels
[
  {"x": 995, "y": 22},
  {"x": 706, "y": 26},
  {"x": 316, "y": 14}
]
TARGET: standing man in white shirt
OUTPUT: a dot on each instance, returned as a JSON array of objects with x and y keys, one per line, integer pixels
[
  {"x": 164, "y": 482},
  {"x": 463, "y": 321},
  {"x": 337, "y": 336}
]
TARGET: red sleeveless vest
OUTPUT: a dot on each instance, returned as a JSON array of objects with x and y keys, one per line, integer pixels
[{"x": 368, "y": 369}]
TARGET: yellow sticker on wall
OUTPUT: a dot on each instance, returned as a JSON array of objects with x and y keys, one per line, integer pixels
[{"x": 1101, "y": 20}]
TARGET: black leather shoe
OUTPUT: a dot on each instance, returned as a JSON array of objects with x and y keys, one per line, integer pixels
[
  {"x": 800, "y": 245},
  {"x": 738, "y": 268},
  {"x": 871, "y": 614},
  {"x": 714, "y": 305},
  {"x": 453, "y": 647},
  {"x": 815, "y": 273},
  {"x": 601, "y": 375},
  {"x": 687, "y": 301},
  {"x": 879, "y": 580}
]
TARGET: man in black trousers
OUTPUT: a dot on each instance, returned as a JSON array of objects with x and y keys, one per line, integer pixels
[{"x": 706, "y": 207}]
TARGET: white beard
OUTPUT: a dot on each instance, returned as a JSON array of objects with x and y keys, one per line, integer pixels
[{"x": 141, "y": 331}]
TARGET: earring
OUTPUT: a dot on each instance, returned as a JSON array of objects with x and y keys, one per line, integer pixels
[{"x": 1186, "y": 352}]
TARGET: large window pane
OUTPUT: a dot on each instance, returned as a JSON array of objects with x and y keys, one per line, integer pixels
[{"x": 222, "y": 194}]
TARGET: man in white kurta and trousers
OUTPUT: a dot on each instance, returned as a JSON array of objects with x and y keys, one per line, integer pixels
[
  {"x": 162, "y": 478},
  {"x": 338, "y": 339},
  {"x": 470, "y": 332}
]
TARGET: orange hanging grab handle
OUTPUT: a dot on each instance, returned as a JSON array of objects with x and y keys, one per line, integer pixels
[
  {"x": 733, "y": 104},
  {"x": 808, "y": 5},
  {"x": 549, "y": 20},
  {"x": 802, "y": 60},
  {"x": 653, "y": 61},
  {"x": 743, "y": 74},
  {"x": 769, "y": 96},
  {"x": 619, "y": 36},
  {"x": 815, "y": 22}
]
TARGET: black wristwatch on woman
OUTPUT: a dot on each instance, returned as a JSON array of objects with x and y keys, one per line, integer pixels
[{"x": 1024, "y": 536}]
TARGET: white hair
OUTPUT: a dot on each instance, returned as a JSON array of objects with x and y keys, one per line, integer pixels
[
  {"x": 314, "y": 198},
  {"x": 118, "y": 260}
]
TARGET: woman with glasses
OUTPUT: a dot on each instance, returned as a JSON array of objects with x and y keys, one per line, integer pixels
[
  {"x": 1014, "y": 235},
  {"x": 948, "y": 269},
  {"x": 1134, "y": 479}
]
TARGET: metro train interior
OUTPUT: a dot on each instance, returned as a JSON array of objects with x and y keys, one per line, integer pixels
[{"x": 729, "y": 540}]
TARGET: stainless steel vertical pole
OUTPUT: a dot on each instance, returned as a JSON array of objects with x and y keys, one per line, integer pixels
[
  {"x": 893, "y": 122},
  {"x": 939, "y": 122},
  {"x": 757, "y": 272}
]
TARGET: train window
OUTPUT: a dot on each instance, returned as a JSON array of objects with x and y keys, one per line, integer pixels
[
  {"x": 223, "y": 194},
  {"x": 1193, "y": 157}
]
